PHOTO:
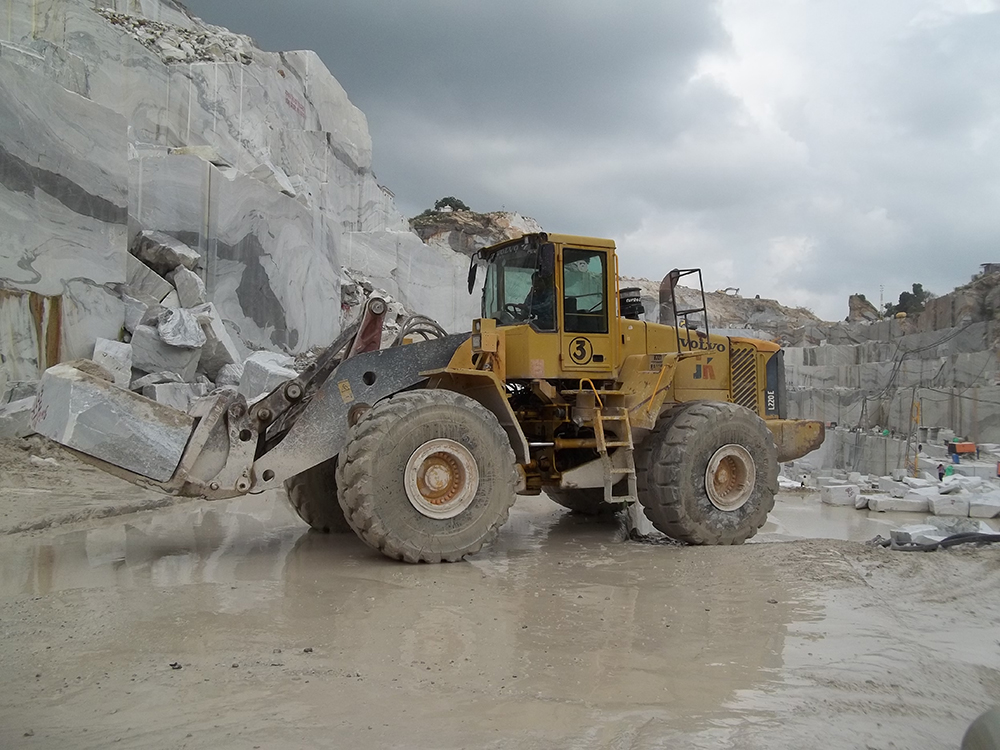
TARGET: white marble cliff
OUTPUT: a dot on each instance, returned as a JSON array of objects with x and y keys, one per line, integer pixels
[{"x": 136, "y": 117}]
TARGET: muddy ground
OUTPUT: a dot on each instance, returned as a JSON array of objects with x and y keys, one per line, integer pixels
[{"x": 227, "y": 625}]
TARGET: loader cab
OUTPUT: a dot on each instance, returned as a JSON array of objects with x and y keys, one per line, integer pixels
[{"x": 555, "y": 297}]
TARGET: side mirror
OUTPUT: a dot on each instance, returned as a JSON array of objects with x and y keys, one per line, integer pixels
[
  {"x": 547, "y": 259},
  {"x": 473, "y": 268}
]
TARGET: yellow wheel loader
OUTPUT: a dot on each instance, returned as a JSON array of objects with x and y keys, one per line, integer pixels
[{"x": 421, "y": 447}]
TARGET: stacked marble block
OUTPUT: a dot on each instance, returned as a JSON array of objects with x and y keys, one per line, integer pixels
[
  {"x": 961, "y": 496},
  {"x": 949, "y": 368}
]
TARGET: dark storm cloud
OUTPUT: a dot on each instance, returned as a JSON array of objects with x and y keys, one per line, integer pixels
[
  {"x": 800, "y": 150},
  {"x": 459, "y": 95}
]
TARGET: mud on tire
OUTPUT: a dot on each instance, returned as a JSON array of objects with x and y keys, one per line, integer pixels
[
  {"x": 313, "y": 495},
  {"x": 379, "y": 458},
  {"x": 671, "y": 469}
]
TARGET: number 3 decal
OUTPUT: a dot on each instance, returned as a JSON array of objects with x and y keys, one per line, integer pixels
[{"x": 581, "y": 351}]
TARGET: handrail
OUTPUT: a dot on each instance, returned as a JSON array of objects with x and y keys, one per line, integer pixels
[
  {"x": 656, "y": 388},
  {"x": 594, "y": 389}
]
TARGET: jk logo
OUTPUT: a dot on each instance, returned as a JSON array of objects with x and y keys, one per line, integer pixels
[{"x": 705, "y": 371}]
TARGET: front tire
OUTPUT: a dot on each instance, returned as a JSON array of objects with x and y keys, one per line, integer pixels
[
  {"x": 427, "y": 476},
  {"x": 708, "y": 473}
]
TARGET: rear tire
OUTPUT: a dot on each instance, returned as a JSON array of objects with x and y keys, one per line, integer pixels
[
  {"x": 427, "y": 476},
  {"x": 708, "y": 473},
  {"x": 587, "y": 501},
  {"x": 313, "y": 495}
]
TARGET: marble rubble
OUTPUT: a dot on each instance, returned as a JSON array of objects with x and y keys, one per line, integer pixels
[
  {"x": 15, "y": 418},
  {"x": 180, "y": 328},
  {"x": 918, "y": 533},
  {"x": 161, "y": 162}
]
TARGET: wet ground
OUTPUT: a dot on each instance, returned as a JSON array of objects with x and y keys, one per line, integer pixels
[{"x": 561, "y": 635}]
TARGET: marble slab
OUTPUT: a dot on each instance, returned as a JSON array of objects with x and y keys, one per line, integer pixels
[{"x": 96, "y": 417}]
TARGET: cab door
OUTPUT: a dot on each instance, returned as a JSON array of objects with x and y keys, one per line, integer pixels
[{"x": 585, "y": 309}]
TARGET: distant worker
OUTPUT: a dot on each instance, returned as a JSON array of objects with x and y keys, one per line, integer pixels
[
  {"x": 949, "y": 470},
  {"x": 940, "y": 472}
]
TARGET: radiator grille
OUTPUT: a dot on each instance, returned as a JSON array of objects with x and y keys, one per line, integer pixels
[{"x": 743, "y": 362}]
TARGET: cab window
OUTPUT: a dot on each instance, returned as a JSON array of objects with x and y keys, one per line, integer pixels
[
  {"x": 585, "y": 304},
  {"x": 520, "y": 288}
]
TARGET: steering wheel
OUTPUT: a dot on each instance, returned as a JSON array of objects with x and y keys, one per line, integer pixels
[{"x": 516, "y": 310}]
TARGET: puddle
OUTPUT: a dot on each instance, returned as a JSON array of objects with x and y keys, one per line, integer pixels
[
  {"x": 559, "y": 635},
  {"x": 805, "y": 517}
]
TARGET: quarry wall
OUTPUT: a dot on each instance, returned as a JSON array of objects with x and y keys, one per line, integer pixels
[{"x": 129, "y": 116}]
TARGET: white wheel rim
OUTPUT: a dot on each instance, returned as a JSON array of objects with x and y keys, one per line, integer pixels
[
  {"x": 730, "y": 477},
  {"x": 441, "y": 478}
]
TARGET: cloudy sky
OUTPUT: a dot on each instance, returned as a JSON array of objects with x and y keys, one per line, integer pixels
[{"x": 803, "y": 150}]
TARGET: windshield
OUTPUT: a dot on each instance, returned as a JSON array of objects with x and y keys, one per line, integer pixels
[{"x": 517, "y": 291}]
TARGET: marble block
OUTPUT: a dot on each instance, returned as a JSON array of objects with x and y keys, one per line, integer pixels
[
  {"x": 15, "y": 418},
  {"x": 894, "y": 488},
  {"x": 172, "y": 300},
  {"x": 949, "y": 505},
  {"x": 96, "y": 417},
  {"x": 274, "y": 178},
  {"x": 917, "y": 504},
  {"x": 190, "y": 288},
  {"x": 163, "y": 253},
  {"x": 229, "y": 375},
  {"x": 155, "y": 378},
  {"x": 89, "y": 311},
  {"x": 985, "y": 506},
  {"x": 180, "y": 328},
  {"x": 116, "y": 358},
  {"x": 135, "y": 308},
  {"x": 16, "y": 390},
  {"x": 150, "y": 354},
  {"x": 261, "y": 375},
  {"x": 176, "y": 395},
  {"x": 971, "y": 484},
  {"x": 840, "y": 494},
  {"x": 219, "y": 350},
  {"x": 143, "y": 281},
  {"x": 922, "y": 492}
]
